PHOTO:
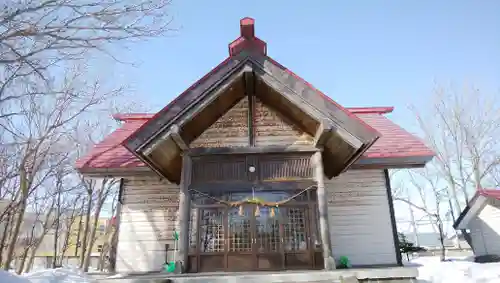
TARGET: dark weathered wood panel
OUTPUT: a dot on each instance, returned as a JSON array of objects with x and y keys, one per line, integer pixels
[
  {"x": 272, "y": 128},
  {"x": 219, "y": 170},
  {"x": 268, "y": 168},
  {"x": 252, "y": 150},
  {"x": 280, "y": 168},
  {"x": 230, "y": 130}
]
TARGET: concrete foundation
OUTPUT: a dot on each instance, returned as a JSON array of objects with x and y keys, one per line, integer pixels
[{"x": 389, "y": 275}]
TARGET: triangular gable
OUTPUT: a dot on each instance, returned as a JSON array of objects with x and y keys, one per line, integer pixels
[
  {"x": 273, "y": 129},
  {"x": 229, "y": 130},
  {"x": 343, "y": 135},
  {"x": 268, "y": 127}
]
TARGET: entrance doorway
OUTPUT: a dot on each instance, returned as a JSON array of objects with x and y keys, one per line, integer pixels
[{"x": 252, "y": 237}]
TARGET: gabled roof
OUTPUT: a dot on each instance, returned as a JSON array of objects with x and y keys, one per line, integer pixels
[
  {"x": 249, "y": 72},
  {"x": 344, "y": 136},
  {"x": 475, "y": 206},
  {"x": 396, "y": 147}
]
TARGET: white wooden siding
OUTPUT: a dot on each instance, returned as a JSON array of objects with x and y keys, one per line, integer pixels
[
  {"x": 147, "y": 221},
  {"x": 360, "y": 220},
  {"x": 485, "y": 229}
]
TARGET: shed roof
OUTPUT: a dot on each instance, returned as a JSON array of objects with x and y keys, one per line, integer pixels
[{"x": 475, "y": 206}]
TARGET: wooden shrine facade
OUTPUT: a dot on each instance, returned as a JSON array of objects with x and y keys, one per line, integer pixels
[
  {"x": 252, "y": 127},
  {"x": 251, "y": 209},
  {"x": 253, "y": 167}
]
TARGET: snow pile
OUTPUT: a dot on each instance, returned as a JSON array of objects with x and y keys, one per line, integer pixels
[
  {"x": 8, "y": 277},
  {"x": 58, "y": 275},
  {"x": 431, "y": 269}
]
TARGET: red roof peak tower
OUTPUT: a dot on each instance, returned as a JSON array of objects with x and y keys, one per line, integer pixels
[{"x": 247, "y": 39}]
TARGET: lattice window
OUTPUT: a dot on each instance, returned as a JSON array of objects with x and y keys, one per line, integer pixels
[
  {"x": 316, "y": 232},
  {"x": 268, "y": 234},
  {"x": 193, "y": 229},
  {"x": 240, "y": 234},
  {"x": 212, "y": 230},
  {"x": 295, "y": 233}
]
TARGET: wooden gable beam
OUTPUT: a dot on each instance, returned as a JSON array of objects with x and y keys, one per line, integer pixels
[
  {"x": 303, "y": 95},
  {"x": 214, "y": 95},
  {"x": 275, "y": 84},
  {"x": 194, "y": 95},
  {"x": 323, "y": 133},
  {"x": 250, "y": 92},
  {"x": 174, "y": 130},
  {"x": 181, "y": 143},
  {"x": 172, "y": 133}
]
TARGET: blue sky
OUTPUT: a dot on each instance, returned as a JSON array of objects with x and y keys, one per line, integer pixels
[{"x": 360, "y": 53}]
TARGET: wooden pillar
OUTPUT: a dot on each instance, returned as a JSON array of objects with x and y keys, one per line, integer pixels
[
  {"x": 323, "y": 211},
  {"x": 184, "y": 212}
]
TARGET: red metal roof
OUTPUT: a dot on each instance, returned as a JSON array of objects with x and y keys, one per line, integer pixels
[
  {"x": 489, "y": 193},
  {"x": 395, "y": 142},
  {"x": 110, "y": 153},
  {"x": 248, "y": 40}
]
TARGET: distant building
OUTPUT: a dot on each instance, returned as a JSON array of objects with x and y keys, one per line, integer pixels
[
  {"x": 432, "y": 241},
  {"x": 76, "y": 237},
  {"x": 482, "y": 218},
  {"x": 32, "y": 228}
]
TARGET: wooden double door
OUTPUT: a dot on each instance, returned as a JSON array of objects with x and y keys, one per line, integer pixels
[{"x": 252, "y": 237}]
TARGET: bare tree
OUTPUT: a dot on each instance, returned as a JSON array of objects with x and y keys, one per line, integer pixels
[
  {"x": 45, "y": 207},
  {"x": 103, "y": 193},
  {"x": 43, "y": 96},
  {"x": 110, "y": 235},
  {"x": 463, "y": 128},
  {"x": 39, "y": 132},
  {"x": 37, "y": 37},
  {"x": 72, "y": 210},
  {"x": 432, "y": 197},
  {"x": 85, "y": 224},
  {"x": 67, "y": 194}
]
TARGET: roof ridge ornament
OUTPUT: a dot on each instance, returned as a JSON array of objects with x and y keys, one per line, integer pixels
[
  {"x": 247, "y": 39},
  {"x": 247, "y": 28}
]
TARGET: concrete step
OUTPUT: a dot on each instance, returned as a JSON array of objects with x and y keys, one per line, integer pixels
[{"x": 389, "y": 275}]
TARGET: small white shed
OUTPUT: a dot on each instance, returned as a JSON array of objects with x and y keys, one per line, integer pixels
[{"x": 482, "y": 218}]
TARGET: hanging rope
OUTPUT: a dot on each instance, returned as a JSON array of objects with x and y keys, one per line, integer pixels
[{"x": 253, "y": 200}]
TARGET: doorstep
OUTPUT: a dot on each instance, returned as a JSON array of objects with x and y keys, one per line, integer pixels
[{"x": 379, "y": 275}]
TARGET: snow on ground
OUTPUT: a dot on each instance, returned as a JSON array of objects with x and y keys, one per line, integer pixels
[
  {"x": 59, "y": 275},
  {"x": 431, "y": 270},
  {"x": 458, "y": 270},
  {"x": 9, "y": 277}
]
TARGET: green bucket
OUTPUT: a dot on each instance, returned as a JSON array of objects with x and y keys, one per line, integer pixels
[{"x": 170, "y": 267}]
